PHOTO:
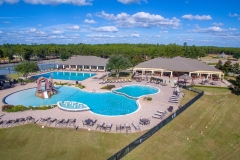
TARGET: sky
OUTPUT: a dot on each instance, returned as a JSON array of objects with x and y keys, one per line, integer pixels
[{"x": 197, "y": 22}]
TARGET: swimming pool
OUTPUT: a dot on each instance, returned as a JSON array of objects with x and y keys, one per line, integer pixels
[
  {"x": 107, "y": 103},
  {"x": 77, "y": 76},
  {"x": 136, "y": 91}
]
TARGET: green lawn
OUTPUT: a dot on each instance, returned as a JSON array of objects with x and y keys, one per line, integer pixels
[
  {"x": 32, "y": 142},
  {"x": 209, "y": 129}
]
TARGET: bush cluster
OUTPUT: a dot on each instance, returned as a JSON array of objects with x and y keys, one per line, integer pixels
[
  {"x": 80, "y": 86},
  {"x": 149, "y": 98},
  {"x": 12, "y": 108},
  {"x": 108, "y": 87}
]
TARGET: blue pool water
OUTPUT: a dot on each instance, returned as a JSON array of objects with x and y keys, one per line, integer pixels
[
  {"x": 108, "y": 103},
  {"x": 137, "y": 91},
  {"x": 77, "y": 76}
]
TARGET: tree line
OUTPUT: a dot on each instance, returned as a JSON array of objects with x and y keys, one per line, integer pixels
[{"x": 136, "y": 53}]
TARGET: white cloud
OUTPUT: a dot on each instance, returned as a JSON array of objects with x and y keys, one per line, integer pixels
[
  {"x": 90, "y": 21},
  {"x": 140, "y": 19},
  {"x": 6, "y": 22},
  {"x": 196, "y": 17},
  {"x": 75, "y": 27},
  {"x": 131, "y": 1},
  {"x": 206, "y": 40},
  {"x": 233, "y": 29},
  {"x": 135, "y": 35},
  {"x": 1, "y": 32},
  {"x": 9, "y": 1},
  {"x": 106, "y": 29},
  {"x": 100, "y": 36},
  {"x": 217, "y": 24},
  {"x": 238, "y": 18},
  {"x": 57, "y": 32},
  {"x": 233, "y": 15},
  {"x": 33, "y": 30},
  {"x": 55, "y": 2},
  {"x": 214, "y": 29},
  {"x": 89, "y": 15},
  {"x": 39, "y": 25}
]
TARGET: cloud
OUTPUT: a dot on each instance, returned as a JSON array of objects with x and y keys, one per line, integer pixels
[
  {"x": 89, "y": 15},
  {"x": 233, "y": 15},
  {"x": 90, "y": 21},
  {"x": 39, "y": 25},
  {"x": 56, "y": 2},
  {"x": 1, "y": 32},
  {"x": 105, "y": 29},
  {"x": 135, "y": 35},
  {"x": 233, "y": 29},
  {"x": 213, "y": 29},
  {"x": 196, "y": 17},
  {"x": 217, "y": 24},
  {"x": 100, "y": 36},
  {"x": 75, "y": 27},
  {"x": 9, "y": 1},
  {"x": 32, "y": 29},
  {"x": 131, "y": 1},
  {"x": 57, "y": 32},
  {"x": 140, "y": 19}
]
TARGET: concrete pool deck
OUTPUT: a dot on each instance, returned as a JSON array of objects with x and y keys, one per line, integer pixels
[{"x": 147, "y": 108}]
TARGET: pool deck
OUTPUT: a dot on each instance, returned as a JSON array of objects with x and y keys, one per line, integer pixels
[{"x": 147, "y": 108}]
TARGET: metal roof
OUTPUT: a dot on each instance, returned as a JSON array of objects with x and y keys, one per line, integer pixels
[
  {"x": 177, "y": 64},
  {"x": 86, "y": 60}
]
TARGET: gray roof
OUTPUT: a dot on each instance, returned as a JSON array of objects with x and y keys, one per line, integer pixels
[
  {"x": 86, "y": 60},
  {"x": 177, "y": 64}
]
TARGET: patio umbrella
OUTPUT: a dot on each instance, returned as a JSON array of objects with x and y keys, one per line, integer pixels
[
  {"x": 173, "y": 99},
  {"x": 185, "y": 77}
]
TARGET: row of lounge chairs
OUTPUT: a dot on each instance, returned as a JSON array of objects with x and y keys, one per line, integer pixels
[
  {"x": 58, "y": 122},
  {"x": 17, "y": 121},
  {"x": 160, "y": 114},
  {"x": 115, "y": 81},
  {"x": 119, "y": 127}
]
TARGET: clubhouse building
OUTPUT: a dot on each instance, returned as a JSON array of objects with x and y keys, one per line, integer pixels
[
  {"x": 84, "y": 63},
  {"x": 177, "y": 66}
]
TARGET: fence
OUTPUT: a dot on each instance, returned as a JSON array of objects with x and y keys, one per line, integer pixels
[{"x": 120, "y": 154}]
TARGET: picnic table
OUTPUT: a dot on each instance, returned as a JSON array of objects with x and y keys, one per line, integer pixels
[
  {"x": 145, "y": 121},
  {"x": 88, "y": 121}
]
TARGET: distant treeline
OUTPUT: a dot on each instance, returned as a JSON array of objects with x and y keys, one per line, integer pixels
[{"x": 135, "y": 52}]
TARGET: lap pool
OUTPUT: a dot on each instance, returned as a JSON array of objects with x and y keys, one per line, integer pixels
[
  {"x": 76, "y": 76},
  {"x": 106, "y": 103}
]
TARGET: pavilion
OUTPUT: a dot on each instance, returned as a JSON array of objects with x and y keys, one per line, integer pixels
[
  {"x": 177, "y": 66},
  {"x": 84, "y": 63}
]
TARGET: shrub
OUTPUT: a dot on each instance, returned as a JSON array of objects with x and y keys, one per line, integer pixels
[
  {"x": 149, "y": 98},
  {"x": 108, "y": 87},
  {"x": 7, "y": 107},
  {"x": 80, "y": 86}
]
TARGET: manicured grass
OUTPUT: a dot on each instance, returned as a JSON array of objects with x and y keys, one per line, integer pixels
[
  {"x": 214, "y": 90},
  {"x": 15, "y": 75},
  {"x": 32, "y": 142},
  {"x": 209, "y": 129}
]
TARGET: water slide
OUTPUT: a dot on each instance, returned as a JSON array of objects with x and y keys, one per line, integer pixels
[{"x": 45, "y": 94}]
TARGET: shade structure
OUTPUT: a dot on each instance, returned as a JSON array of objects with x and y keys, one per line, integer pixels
[
  {"x": 185, "y": 77},
  {"x": 173, "y": 99}
]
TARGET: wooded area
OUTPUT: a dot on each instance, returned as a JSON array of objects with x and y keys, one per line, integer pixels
[{"x": 136, "y": 53}]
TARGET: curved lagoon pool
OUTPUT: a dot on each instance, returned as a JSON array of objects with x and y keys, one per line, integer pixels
[
  {"x": 136, "y": 91},
  {"x": 107, "y": 103}
]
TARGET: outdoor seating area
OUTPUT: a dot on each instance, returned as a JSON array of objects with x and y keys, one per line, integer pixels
[
  {"x": 115, "y": 81},
  {"x": 57, "y": 122},
  {"x": 16, "y": 122},
  {"x": 145, "y": 121}
]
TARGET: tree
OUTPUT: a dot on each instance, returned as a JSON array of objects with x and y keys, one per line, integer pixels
[
  {"x": 117, "y": 62},
  {"x": 219, "y": 65},
  {"x": 227, "y": 67},
  {"x": 27, "y": 53},
  {"x": 64, "y": 56},
  {"x": 235, "y": 68},
  {"x": 26, "y": 68}
]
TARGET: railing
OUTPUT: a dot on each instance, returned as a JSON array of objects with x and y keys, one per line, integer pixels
[{"x": 120, "y": 154}]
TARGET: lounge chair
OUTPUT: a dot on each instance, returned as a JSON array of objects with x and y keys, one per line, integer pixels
[
  {"x": 72, "y": 122},
  {"x": 65, "y": 122},
  {"x": 108, "y": 127},
  {"x": 136, "y": 126},
  {"x": 59, "y": 122},
  {"x": 119, "y": 127},
  {"x": 163, "y": 112},
  {"x": 93, "y": 122},
  {"x": 84, "y": 123},
  {"x": 129, "y": 80},
  {"x": 100, "y": 125},
  {"x": 50, "y": 121},
  {"x": 30, "y": 119},
  {"x": 127, "y": 126},
  {"x": 157, "y": 117}
]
